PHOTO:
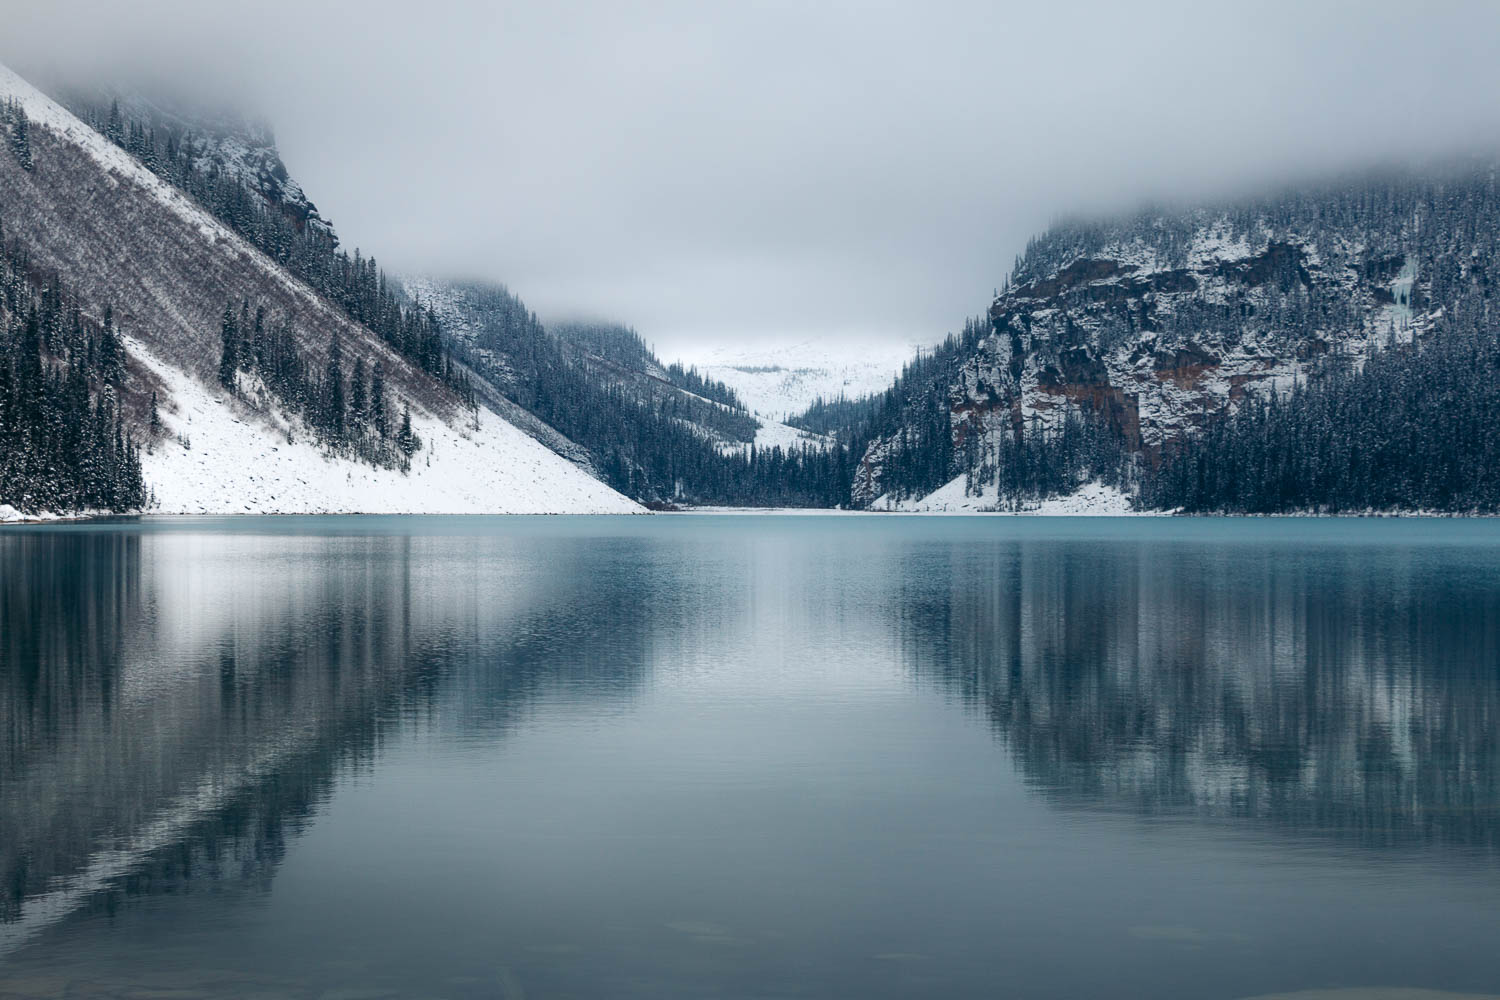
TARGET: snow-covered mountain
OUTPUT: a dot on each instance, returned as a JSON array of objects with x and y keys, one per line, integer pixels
[
  {"x": 119, "y": 237},
  {"x": 596, "y": 393},
  {"x": 214, "y": 139},
  {"x": 1155, "y": 324},
  {"x": 782, "y": 381}
]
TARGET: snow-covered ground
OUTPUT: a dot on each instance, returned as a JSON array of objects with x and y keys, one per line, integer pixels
[
  {"x": 773, "y": 434},
  {"x": 236, "y": 464},
  {"x": 1090, "y": 500},
  {"x": 777, "y": 382}
]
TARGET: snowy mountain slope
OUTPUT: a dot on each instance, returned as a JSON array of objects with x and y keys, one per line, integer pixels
[
  {"x": 778, "y": 382},
  {"x": 219, "y": 460},
  {"x": 122, "y": 237},
  {"x": 215, "y": 138}
]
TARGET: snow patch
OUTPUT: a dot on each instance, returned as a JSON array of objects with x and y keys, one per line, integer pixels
[{"x": 1089, "y": 500}]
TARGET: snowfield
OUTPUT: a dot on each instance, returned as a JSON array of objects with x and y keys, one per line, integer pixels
[
  {"x": 236, "y": 464},
  {"x": 1090, "y": 500},
  {"x": 779, "y": 382},
  {"x": 774, "y": 434}
]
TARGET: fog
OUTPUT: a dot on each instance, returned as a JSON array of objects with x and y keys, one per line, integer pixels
[{"x": 775, "y": 172}]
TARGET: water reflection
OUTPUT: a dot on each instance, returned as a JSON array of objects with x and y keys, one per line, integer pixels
[
  {"x": 1350, "y": 691},
  {"x": 176, "y": 706},
  {"x": 656, "y": 757}
]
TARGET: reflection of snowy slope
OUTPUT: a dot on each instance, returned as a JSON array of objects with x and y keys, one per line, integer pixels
[{"x": 782, "y": 381}]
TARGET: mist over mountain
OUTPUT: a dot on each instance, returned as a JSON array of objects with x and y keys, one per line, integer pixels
[{"x": 727, "y": 176}]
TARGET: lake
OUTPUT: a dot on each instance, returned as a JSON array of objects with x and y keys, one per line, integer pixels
[{"x": 749, "y": 756}]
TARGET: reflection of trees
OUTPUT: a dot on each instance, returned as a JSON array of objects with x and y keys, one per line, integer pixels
[
  {"x": 176, "y": 708},
  {"x": 1352, "y": 692}
]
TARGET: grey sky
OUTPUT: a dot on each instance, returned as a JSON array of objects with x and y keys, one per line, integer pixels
[{"x": 717, "y": 173}]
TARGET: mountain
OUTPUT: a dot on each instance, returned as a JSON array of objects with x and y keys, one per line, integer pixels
[
  {"x": 1164, "y": 352},
  {"x": 180, "y": 330},
  {"x": 595, "y": 393},
  {"x": 260, "y": 369}
]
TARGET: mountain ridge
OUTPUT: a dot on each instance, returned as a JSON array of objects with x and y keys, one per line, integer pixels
[{"x": 124, "y": 238}]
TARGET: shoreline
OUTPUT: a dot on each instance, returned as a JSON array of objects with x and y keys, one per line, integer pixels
[{"x": 12, "y": 518}]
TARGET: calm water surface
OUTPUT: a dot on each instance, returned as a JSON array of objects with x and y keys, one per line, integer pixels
[{"x": 748, "y": 756}]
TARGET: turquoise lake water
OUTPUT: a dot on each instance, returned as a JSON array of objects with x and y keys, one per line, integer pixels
[{"x": 749, "y": 756}]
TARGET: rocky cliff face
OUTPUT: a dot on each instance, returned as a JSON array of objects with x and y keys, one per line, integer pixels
[
  {"x": 1154, "y": 323},
  {"x": 216, "y": 142},
  {"x": 246, "y": 150}
]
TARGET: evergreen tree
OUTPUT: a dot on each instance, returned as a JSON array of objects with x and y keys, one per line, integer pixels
[
  {"x": 111, "y": 351},
  {"x": 114, "y": 130},
  {"x": 307, "y": 249},
  {"x": 20, "y": 135},
  {"x": 333, "y": 389},
  {"x": 377, "y": 400},
  {"x": 405, "y": 439},
  {"x": 229, "y": 359},
  {"x": 358, "y": 396}
]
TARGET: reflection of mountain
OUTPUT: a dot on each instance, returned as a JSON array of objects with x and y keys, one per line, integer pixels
[
  {"x": 1350, "y": 692},
  {"x": 175, "y": 705}
]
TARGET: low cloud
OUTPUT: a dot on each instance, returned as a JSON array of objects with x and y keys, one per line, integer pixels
[{"x": 783, "y": 171}]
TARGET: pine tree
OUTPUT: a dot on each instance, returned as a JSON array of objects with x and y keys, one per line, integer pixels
[
  {"x": 20, "y": 136},
  {"x": 377, "y": 401},
  {"x": 229, "y": 360},
  {"x": 333, "y": 388},
  {"x": 405, "y": 439},
  {"x": 358, "y": 396},
  {"x": 111, "y": 351},
  {"x": 114, "y": 131}
]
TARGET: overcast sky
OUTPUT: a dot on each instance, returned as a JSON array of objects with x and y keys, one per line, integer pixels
[{"x": 767, "y": 172}]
